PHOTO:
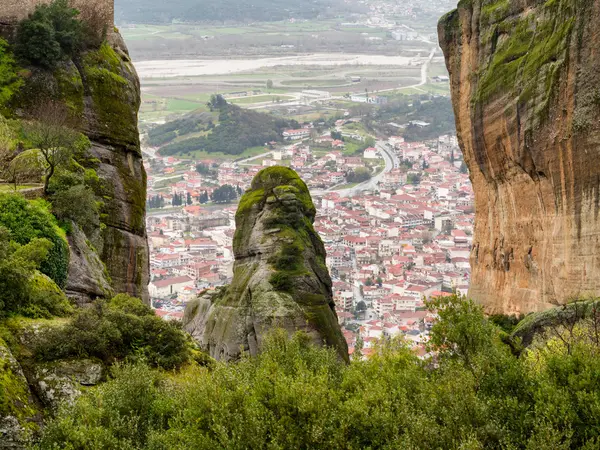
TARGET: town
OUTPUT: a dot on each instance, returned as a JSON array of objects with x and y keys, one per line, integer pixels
[{"x": 396, "y": 218}]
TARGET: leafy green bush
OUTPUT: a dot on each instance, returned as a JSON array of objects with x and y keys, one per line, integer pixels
[
  {"x": 77, "y": 203},
  {"x": 121, "y": 328},
  {"x": 23, "y": 289},
  {"x": 10, "y": 82},
  {"x": 51, "y": 34},
  {"x": 293, "y": 395},
  {"x": 27, "y": 220}
]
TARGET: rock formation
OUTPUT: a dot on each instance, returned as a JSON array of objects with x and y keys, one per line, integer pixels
[
  {"x": 525, "y": 87},
  {"x": 101, "y": 89},
  {"x": 280, "y": 278}
]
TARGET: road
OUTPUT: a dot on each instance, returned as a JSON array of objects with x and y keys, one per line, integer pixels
[{"x": 391, "y": 161}]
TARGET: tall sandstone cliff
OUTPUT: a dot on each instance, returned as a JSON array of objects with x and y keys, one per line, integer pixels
[
  {"x": 280, "y": 277},
  {"x": 100, "y": 88},
  {"x": 525, "y": 81}
]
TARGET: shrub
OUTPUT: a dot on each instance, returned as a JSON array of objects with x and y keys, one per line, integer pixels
[
  {"x": 10, "y": 82},
  {"x": 27, "y": 220},
  {"x": 122, "y": 328},
  {"x": 281, "y": 281},
  {"x": 46, "y": 299},
  {"x": 50, "y": 35},
  {"x": 23, "y": 289},
  {"x": 77, "y": 203},
  {"x": 294, "y": 395}
]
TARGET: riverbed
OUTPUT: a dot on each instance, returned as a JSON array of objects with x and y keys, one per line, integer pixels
[{"x": 198, "y": 67}]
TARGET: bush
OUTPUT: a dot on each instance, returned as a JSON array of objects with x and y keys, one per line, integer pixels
[
  {"x": 77, "y": 203},
  {"x": 122, "y": 328},
  {"x": 294, "y": 395},
  {"x": 281, "y": 281},
  {"x": 27, "y": 220},
  {"x": 50, "y": 35},
  {"x": 10, "y": 82},
  {"x": 23, "y": 289}
]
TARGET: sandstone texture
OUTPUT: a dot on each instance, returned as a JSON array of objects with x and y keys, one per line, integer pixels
[
  {"x": 525, "y": 87},
  {"x": 101, "y": 90},
  {"x": 280, "y": 278}
]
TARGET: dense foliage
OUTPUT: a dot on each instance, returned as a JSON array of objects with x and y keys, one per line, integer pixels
[
  {"x": 51, "y": 34},
  {"x": 23, "y": 290},
  {"x": 238, "y": 130},
  {"x": 226, "y": 194},
  {"x": 191, "y": 123},
  {"x": 157, "y": 11},
  {"x": 123, "y": 327},
  {"x": 480, "y": 395},
  {"x": 10, "y": 82},
  {"x": 30, "y": 220},
  {"x": 358, "y": 175}
]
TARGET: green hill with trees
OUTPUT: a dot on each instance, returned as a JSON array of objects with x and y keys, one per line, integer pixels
[{"x": 237, "y": 130}]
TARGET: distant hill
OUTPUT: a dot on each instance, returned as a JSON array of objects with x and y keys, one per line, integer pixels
[
  {"x": 159, "y": 11},
  {"x": 237, "y": 130}
]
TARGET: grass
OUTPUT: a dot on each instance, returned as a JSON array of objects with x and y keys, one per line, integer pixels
[{"x": 177, "y": 105}]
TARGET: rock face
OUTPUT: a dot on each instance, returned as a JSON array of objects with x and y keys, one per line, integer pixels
[
  {"x": 525, "y": 87},
  {"x": 101, "y": 90},
  {"x": 280, "y": 278}
]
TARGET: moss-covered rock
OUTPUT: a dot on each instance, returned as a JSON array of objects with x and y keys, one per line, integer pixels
[
  {"x": 280, "y": 279},
  {"x": 567, "y": 315},
  {"x": 17, "y": 407}
]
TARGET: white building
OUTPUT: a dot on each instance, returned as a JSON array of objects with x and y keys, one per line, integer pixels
[{"x": 169, "y": 286}]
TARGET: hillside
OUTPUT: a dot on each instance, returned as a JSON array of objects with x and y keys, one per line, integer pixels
[{"x": 237, "y": 129}]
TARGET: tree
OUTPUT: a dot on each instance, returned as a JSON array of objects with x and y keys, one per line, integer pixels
[
  {"x": 50, "y": 35},
  {"x": 51, "y": 135},
  {"x": 464, "y": 168},
  {"x": 224, "y": 194},
  {"x": 269, "y": 84},
  {"x": 358, "y": 175},
  {"x": 203, "y": 169},
  {"x": 370, "y": 141},
  {"x": 189, "y": 199},
  {"x": 204, "y": 197},
  {"x": 336, "y": 135},
  {"x": 77, "y": 203}
]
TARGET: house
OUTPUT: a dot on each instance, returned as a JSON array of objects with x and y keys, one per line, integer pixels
[
  {"x": 169, "y": 286},
  {"x": 294, "y": 135},
  {"x": 371, "y": 153}
]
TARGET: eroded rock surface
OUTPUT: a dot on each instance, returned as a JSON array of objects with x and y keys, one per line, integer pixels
[
  {"x": 525, "y": 80},
  {"x": 101, "y": 90},
  {"x": 280, "y": 278}
]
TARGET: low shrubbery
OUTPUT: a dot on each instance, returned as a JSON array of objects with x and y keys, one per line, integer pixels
[
  {"x": 28, "y": 220},
  {"x": 24, "y": 290},
  {"x": 119, "y": 329},
  {"x": 293, "y": 395}
]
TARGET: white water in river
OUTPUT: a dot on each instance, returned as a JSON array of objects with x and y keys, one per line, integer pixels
[{"x": 190, "y": 68}]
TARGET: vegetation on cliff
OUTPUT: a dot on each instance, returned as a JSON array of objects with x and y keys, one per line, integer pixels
[{"x": 294, "y": 395}]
